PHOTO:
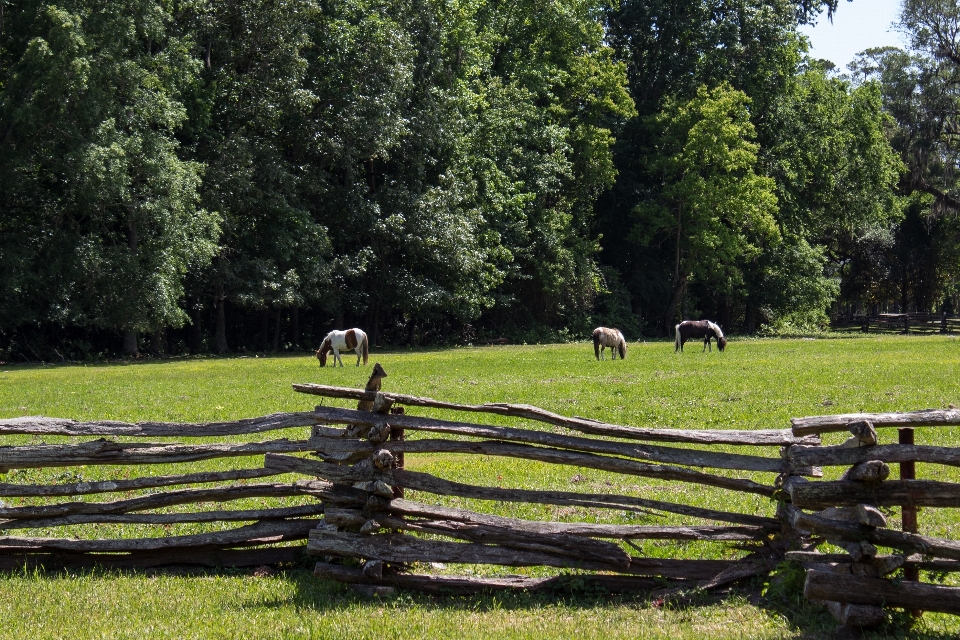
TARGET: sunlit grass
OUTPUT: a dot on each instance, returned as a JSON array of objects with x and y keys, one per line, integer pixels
[{"x": 754, "y": 384}]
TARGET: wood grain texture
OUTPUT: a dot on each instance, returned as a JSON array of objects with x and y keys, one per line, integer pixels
[
  {"x": 667, "y": 455},
  {"x": 113, "y": 486},
  {"x": 768, "y": 437},
  {"x": 431, "y": 484},
  {"x": 152, "y": 501},
  {"x": 39, "y": 425},
  {"x": 838, "y": 456},
  {"x": 921, "y": 493},
  {"x": 825, "y": 585},
  {"x": 267, "y": 532},
  {"x": 814, "y": 425},
  {"x": 123, "y": 453}
]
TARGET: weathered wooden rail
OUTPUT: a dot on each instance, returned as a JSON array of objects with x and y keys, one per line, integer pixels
[{"x": 348, "y": 499}]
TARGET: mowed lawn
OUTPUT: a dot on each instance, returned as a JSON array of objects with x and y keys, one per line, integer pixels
[{"x": 755, "y": 384}]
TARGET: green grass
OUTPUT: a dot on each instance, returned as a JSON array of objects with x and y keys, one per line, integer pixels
[{"x": 755, "y": 384}]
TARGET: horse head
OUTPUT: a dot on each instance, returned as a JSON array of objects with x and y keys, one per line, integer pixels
[
  {"x": 721, "y": 343},
  {"x": 622, "y": 347},
  {"x": 322, "y": 352}
]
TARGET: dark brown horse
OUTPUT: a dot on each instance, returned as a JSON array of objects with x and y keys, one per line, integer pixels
[
  {"x": 699, "y": 329},
  {"x": 603, "y": 337}
]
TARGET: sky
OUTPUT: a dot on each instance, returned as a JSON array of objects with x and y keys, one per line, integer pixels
[{"x": 856, "y": 26}]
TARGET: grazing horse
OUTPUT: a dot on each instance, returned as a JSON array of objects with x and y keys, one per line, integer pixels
[
  {"x": 350, "y": 339},
  {"x": 603, "y": 337},
  {"x": 699, "y": 329}
]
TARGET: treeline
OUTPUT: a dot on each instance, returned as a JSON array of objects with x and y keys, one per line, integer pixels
[{"x": 192, "y": 176}]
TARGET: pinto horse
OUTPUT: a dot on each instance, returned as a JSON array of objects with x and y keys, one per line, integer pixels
[
  {"x": 603, "y": 337},
  {"x": 699, "y": 329},
  {"x": 354, "y": 339}
]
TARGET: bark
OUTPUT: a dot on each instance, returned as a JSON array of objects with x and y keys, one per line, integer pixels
[
  {"x": 220, "y": 331},
  {"x": 249, "y": 535},
  {"x": 205, "y": 556},
  {"x": 236, "y": 515},
  {"x": 115, "y": 453},
  {"x": 561, "y": 544},
  {"x": 425, "y": 482},
  {"x": 926, "y": 546},
  {"x": 275, "y": 342},
  {"x": 920, "y": 493},
  {"x": 760, "y": 437},
  {"x": 825, "y": 585},
  {"x": 38, "y": 425},
  {"x": 295, "y": 325},
  {"x": 705, "y": 532},
  {"x": 657, "y": 454},
  {"x": 670, "y": 314},
  {"x": 152, "y": 501},
  {"x": 839, "y": 456},
  {"x": 130, "y": 343},
  {"x": 404, "y": 548},
  {"x": 264, "y": 330},
  {"x": 585, "y": 460},
  {"x": 110, "y": 486},
  {"x": 828, "y": 424}
]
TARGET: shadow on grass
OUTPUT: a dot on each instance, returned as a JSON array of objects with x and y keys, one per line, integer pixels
[{"x": 778, "y": 600}]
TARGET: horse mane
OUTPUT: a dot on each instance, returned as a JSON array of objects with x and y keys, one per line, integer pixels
[
  {"x": 596, "y": 342},
  {"x": 716, "y": 329},
  {"x": 622, "y": 345}
]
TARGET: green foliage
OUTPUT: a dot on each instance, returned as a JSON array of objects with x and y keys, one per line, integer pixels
[{"x": 101, "y": 214}]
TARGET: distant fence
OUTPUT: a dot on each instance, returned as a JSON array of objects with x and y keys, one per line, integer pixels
[
  {"x": 359, "y": 483},
  {"x": 922, "y": 322}
]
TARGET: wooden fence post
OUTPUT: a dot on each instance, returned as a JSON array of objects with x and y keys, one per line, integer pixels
[{"x": 908, "y": 471}]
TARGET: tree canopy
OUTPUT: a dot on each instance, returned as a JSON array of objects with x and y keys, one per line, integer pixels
[{"x": 188, "y": 175}]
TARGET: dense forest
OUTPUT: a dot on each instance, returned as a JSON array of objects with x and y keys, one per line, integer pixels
[{"x": 190, "y": 176}]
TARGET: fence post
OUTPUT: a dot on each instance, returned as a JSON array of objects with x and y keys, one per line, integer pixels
[{"x": 908, "y": 471}]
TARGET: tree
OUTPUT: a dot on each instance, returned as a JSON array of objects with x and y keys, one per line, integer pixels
[
  {"x": 101, "y": 215},
  {"x": 718, "y": 210}
]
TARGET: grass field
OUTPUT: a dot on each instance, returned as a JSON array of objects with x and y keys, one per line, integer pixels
[{"x": 754, "y": 384}]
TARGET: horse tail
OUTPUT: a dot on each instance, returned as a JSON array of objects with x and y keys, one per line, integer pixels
[
  {"x": 623, "y": 347},
  {"x": 596, "y": 343},
  {"x": 366, "y": 349},
  {"x": 676, "y": 341}
]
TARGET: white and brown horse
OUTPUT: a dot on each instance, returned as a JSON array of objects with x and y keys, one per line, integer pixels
[
  {"x": 604, "y": 337},
  {"x": 699, "y": 329},
  {"x": 336, "y": 341}
]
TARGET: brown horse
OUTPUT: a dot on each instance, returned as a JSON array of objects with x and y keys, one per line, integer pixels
[
  {"x": 604, "y": 337},
  {"x": 699, "y": 329}
]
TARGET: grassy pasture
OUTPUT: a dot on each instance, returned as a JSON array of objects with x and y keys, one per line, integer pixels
[{"x": 755, "y": 384}]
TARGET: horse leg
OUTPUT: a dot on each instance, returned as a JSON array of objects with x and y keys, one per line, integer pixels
[
  {"x": 336, "y": 357},
  {"x": 358, "y": 354}
]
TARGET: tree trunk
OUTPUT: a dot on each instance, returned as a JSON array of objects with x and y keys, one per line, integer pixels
[
  {"x": 264, "y": 330},
  {"x": 668, "y": 316},
  {"x": 195, "y": 335},
  {"x": 276, "y": 331},
  {"x": 130, "y": 343},
  {"x": 219, "y": 301},
  {"x": 750, "y": 319},
  {"x": 338, "y": 323},
  {"x": 295, "y": 326},
  {"x": 158, "y": 341}
]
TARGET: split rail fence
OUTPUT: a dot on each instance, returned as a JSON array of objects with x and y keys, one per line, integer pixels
[{"x": 357, "y": 506}]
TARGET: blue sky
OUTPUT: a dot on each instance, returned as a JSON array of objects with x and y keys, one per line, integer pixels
[{"x": 857, "y": 25}]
